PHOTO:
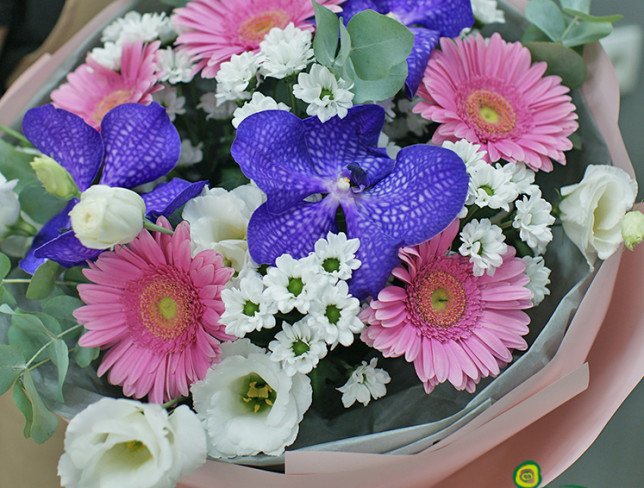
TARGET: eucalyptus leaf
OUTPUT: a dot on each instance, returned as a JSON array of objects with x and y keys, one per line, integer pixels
[
  {"x": 12, "y": 364},
  {"x": 38, "y": 204},
  {"x": 562, "y": 61},
  {"x": 378, "y": 90},
  {"x": 175, "y": 3},
  {"x": 43, "y": 281},
  {"x": 14, "y": 165},
  {"x": 5, "y": 266},
  {"x": 29, "y": 334},
  {"x": 586, "y": 33},
  {"x": 6, "y": 297},
  {"x": 533, "y": 33},
  {"x": 611, "y": 19},
  {"x": 23, "y": 403},
  {"x": 59, "y": 355},
  {"x": 43, "y": 422},
  {"x": 325, "y": 43},
  {"x": 579, "y": 5},
  {"x": 83, "y": 356},
  {"x": 62, "y": 308},
  {"x": 345, "y": 47},
  {"x": 547, "y": 16}
]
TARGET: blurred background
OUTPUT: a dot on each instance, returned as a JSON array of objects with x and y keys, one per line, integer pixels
[{"x": 30, "y": 28}]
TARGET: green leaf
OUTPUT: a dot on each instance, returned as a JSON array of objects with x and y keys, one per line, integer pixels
[
  {"x": 533, "y": 33},
  {"x": 42, "y": 424},
  {"x": 375, "y": 91},
  {"x": 43, "y": 281},
  {"x": 562, "y": 61},
  {"x": 577, "y": 141},
  {"x": 611, "y": 19},
  {"x": 579, "y": 5},
  {"x": 59, "y": 354},
  {"x": 38, "y": 204},
  {"x": 29, "y": 334},
  {"x": 6, "y": 297},
  {"x": 14, "y": 165},
  {"x": 586, "y": 33},
  {"x": 175, "y": 3},
  {"x": 76, "y": 274},
  {"x": 345, "y": 47},
  {"x": 325, "y": 43},
  {"x": 62, "y": 308},
  {"x": 23, "y": 403},
  {"x": 547, "y": 16},
  {"x": 378, "y": 44},
  {"x": 85, "y": 355},
  {"x": 12, "y": 364},
  {"x": 5, "y": 266}
]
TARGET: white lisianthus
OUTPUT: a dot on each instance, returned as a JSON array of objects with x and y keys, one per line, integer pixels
[
  {"x": 298, "y": 347},
  {"x": 9, "y": 204},
  {"x": 208, "y": 103},
  {"x": 109, "y": 55},
  {"x": 127, "y": 443},
  {"x": 175, "y": 66},
  {"x": 488, "y": 12},
  {"x": 234, "y": 77},
  {"x": 484, "y": 243},
  {"x": 366, "y": 382},
  {"x": 258, "y": 103},
  {"x": 106, "y": 216},
  {"x": 592, "y": 211},
  {"x": 247, "y": 307},
  {"x": 539, "y": 276},
  {"x": 533, "y": 221},
  {"x": 284, "y": 52},
  {"x": 190, "y": 154},
  {"x": 336, "y": 256},
  {"x": 326, "y": 95},
  {"x": 293, "y": 283},
  {"x": 633, "y": 229},
  {"x": 219, "y": 220},
  {"x": 490, "y": 187},
  {"x": 249, "y": 404},
  {"x": 334, "y": 314},
  {"x": 173, "y": 103},
  {"x": 470, "y": 153}
]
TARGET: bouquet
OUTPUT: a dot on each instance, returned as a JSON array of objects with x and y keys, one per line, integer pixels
[{"x": 240, "y": 227}]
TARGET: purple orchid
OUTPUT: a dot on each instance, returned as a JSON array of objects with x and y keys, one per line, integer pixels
[
  {"x": 136, "y": 145},
  {"x": 428, "y": 20},
  {"x": 387, "y": 204}
]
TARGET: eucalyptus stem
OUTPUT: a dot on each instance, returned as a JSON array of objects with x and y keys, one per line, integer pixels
[
  {"x": 49, "y": 343},
  {"x": 173, "y": 402},
  {"x": 157, "y": 228},
  {"x": 15, "y": 134},
  {"x": 26, "y": 281},
  {"x": 569, "y": 28}
]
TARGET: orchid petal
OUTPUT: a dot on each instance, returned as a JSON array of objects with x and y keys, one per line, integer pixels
[
  {"x": 448, "y": 17},
  {"x": 168, "y": 197},
  {"x": 67, "y": 251},
  {"x": 425, "y": 41}
]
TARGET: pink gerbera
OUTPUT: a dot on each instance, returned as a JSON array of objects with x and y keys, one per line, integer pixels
[
  {"x": 92, "y": 90},
  {"x": 486, "y": 91},
  {"x": 157, "y": 310},
  {"x": 451, "y": 324},
  {"x": 213, "y": 30}
]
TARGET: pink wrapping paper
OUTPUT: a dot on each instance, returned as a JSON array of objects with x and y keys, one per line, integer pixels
[{"x": 551, "y": 418}]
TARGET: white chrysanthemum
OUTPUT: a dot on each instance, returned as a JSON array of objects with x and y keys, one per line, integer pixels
[
  {"x": 336, "y": 256},
  {"x": 298, "y": 348},
  {"x": 334, "y": 314},
  {"x": 108, "y": 55},
  {"x": 139, "y": 27},
  {"x": 522, "y": 177},
  {"x": 219, "y": 220},
  {"x": 190, "y": 154},
  {"x": 366, "y": 382},
  {"x": 247, "y": 307},
  {"x": 258, "y": 103},
  {"x": 234, "y": 77},
  {"x": 485, "y": 245},
  {"x": 413, "y": 122},
  {"x": 128, "y": 443},
  {"x": 293, "y": 283},
  {"x": 533, "y": 221},
  {"x": 208, "y": 103},
  {"x": 326, "y": 95},
  {"x": 488, "y": 12},
  {"x": 539, "y": 276},
  {"x": 173, "y": 103},
  {"x": 248, "y": 404},
  {"x": 175, "y": 66},
  {"x": 391, "y": 147},
  {"x": 490, "y": 187},
  {"x": 389, "y": 106},
  {"x": 468, "y": 152},
  {"x": 285, "y": 52},
  {"x": 9, "y": 204}
]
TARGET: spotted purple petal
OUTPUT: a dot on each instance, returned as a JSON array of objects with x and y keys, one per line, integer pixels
[
  {"x": 67, "y": 251},
  {"x": 294, "y": 231},
  {"x": 66, "y": 138},
  {"x": 141, "y": 145},
  {"x": 56, "y": 226},
  {"x": 425, "y": 41},
  {"x": 420, "y": 198},
  {"x": 168, "y": 197},
  {"x": 448, "y": 17},
  {"x": 352, "y": 7}
]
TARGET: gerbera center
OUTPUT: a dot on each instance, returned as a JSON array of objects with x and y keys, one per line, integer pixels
[
  {"x": 114, "y": 99},
  {"x": 490, "y": 113},
  {"x": 440, "y": 299},
  {"x": 255, "y": 28},
  {"x": 256, "y": 394},
  {"x": 167, "y": 308}
]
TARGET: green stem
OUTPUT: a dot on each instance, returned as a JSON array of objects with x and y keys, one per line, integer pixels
[
  {"x": 49, "y": 343},
  {"x": 16, "y": 135},
  {"x": 157, "y": 228},
  {"x": 26, "y": 281},
  {"x": 172, "y": 403},
  {"x": 45, "y": 361},
  {"x": 572, "y": 24},
  {"x": 23, "y": 228}
]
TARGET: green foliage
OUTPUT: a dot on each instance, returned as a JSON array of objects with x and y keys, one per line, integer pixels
[
  {"x": 14, "y": 165},
  {"x": 12, "y": 364},
  {"x": 5, "y": 266},
  {"x": 40, "y": 423},
  {"x": 83, "y": 356},
  {"x": 38, "y": 204},
  {"x": 562, "y": 61},
  {"x": 175, "y": 3},
  {"x": 43, "y": 281},
  {"x": 372, "y": 54}
]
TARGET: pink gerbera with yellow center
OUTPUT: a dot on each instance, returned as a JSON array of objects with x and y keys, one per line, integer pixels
[
  {"x": 92, "y": 90},
  {"x": 213, "y": 30},
  {"x": 452, "y": 325},
  {"x": 487, "y": 91},
  {"x": 157, "y": 310}
]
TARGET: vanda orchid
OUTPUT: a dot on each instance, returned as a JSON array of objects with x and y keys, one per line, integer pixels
[{"x": 240, "y": 228}]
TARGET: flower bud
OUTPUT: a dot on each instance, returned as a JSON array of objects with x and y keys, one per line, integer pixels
[
  {"x": 9, "y": 205},
  {"x": 633, "y": 229},
  {"x": 107, "y": 216},
  {"x": 54, "y": 178}
]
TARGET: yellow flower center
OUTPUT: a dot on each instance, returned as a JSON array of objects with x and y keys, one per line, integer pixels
[
  {"x": 114, "y": 99},
  {"x": 254, "y": 29},
  {"x": 257, "y": 395},
  {"x": 491, "y": 113}
]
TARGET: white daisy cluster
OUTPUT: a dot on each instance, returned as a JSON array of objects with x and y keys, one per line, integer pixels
[
  {"x": 285, "y": 52},
  {"x": 488, "y": 12},
  {"x": 258, "y": 103},
  {"x": 314, "y": 290},
  {"x": 170, "y": 99},
  {"x": 326, "y": 95},
  {"x": 235, "y": 77},
  {"x": 175, "y": 66},
  {"x": 366, "y": 382}
]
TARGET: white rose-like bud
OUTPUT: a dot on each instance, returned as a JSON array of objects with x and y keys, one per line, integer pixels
[
  {"x": 118, "y": 443},
  {"x": 633, "y": 229},
  {"x": 9, "y": 204},
  {"x": 593, "y": 209},
  {"x": 107, "y": 216}
]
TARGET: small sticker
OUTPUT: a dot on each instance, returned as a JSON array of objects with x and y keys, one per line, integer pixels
[{"x": 527, "y": 475}]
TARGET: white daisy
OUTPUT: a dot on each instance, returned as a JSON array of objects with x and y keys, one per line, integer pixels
[
  {"x": 173, "y": 103},
  {"x": 190, "y": 154},
  {"x": 413, "y": 122},
  {"x": 298, "y": 347},
  {"x": 336, "y": 256},
  {"x": 258, "y": 103},
  {"x": 175, "y": 66},
  {"x": 533, "y": 221},
  {"x": 293, "y": 283},
  {"x": 109, "y": 55},
  {"x": 247, "y": 307},
  {"x": 485, "y": 245},
  {"x": 366, "y": 382},
  {"x": 487, "y": 12},
  {"x": 468, "y": 152},
  {"x": 326, "y": 95},
  {"x": 235, "y": 76},
  {"x": 284, "y": 52},
  {"x": 139, "y": 27},
  {"x": 490, "y": 187},
  {"x": 208, "y": 103},
  {"x": 539, "y": 276},
  {"x": 522, "y": 177},
  {"x": 392, "y": 148},
  {"x": 335, "y": 315},
  {"x": 389, "y": 105}
]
